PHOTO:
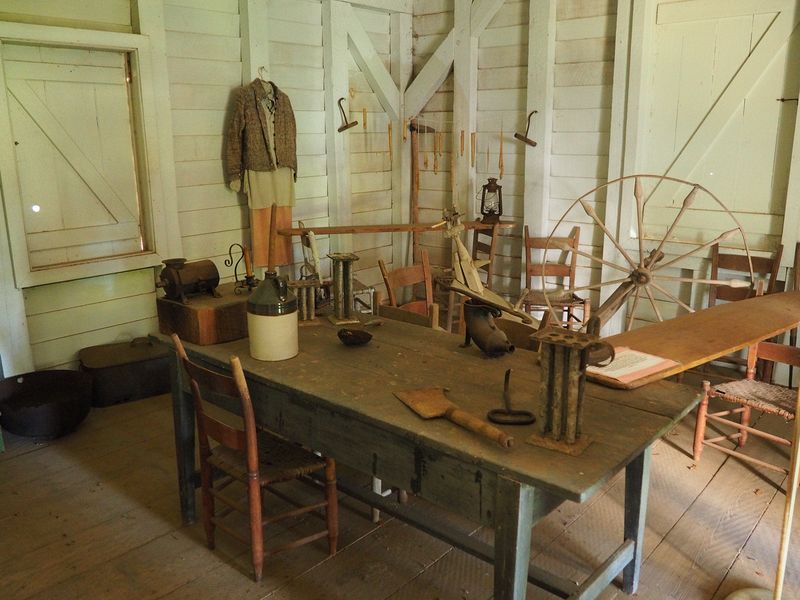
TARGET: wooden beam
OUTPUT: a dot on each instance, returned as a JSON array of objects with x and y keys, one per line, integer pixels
[
  {"x": 253, "y": 15},
  {"x": 391, "y": 6},
  {"x": 401, "y": 32},
  {"x": 465, "y": 104},
  {"x": 481, "y": 14},
  {"x": 371, "y": 64},
  {"x": 336, "y": 82},
  {"x": 431, "y": 77},
  {"x": 541, "y": 61},
  {"x": 387, "y": 228}
]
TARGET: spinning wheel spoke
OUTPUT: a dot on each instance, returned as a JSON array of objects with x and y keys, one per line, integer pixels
[
  {"x": 633, "y": 309},
  {"x": 593, "y": 214},
  {"x": 687, "y": 203},
  {"x": 653, "y": 302},
  {"x": 672, "y": 297},
  {"x": 597, "y": 286},
  {"x": 567, "y": 247},
  {"x": 734, "y": 283},
  {"x": 717, "y": 240},
  {"x": 637, "y": 193}
]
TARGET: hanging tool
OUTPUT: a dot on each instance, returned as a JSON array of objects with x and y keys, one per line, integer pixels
[
  {"x": 507, "y": 415},
  {"x": 525, "y": 138},
  {"x": 431, "y": 403},
  {"x": 345, "y": 123}
]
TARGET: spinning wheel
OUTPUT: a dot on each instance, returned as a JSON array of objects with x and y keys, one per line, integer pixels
[{"x": 638, "y": 260}]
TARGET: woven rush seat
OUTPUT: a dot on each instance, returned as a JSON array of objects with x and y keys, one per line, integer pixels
[
  {"x": 774, "y": 399},
  {"x": 745, "y": 395},
  {"x": 278, "y": 460},
  {"x": 556, "y": 297}
]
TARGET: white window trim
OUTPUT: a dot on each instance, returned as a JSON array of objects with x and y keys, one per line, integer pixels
[{"x": 152, "y": 142}]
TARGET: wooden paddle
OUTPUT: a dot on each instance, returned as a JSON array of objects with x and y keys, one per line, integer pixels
[{"x": 431, "y": 403}]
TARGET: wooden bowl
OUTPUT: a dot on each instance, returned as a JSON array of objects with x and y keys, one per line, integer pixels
[{"x": 354, "y": 337}]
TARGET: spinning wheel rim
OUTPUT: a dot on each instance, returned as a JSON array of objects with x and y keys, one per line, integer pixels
[{"x": 641, "y": 274}]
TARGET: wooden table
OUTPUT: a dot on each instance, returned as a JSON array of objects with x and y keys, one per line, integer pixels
[
  {"x": 697, "y": 338},
  {"x": 339, "y": 401}
]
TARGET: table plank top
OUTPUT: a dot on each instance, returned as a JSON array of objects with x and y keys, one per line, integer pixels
[
  {"x": 697, "y": 338},
  {"x": 359, "y": 382}
]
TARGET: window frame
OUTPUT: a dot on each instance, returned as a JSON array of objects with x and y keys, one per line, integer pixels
[{"x": 153, "y": 209}]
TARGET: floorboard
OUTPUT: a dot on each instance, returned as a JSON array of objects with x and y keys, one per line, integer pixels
[{"x": 95, "y": 515}]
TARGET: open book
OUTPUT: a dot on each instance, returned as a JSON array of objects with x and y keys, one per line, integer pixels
[{"x": 629, "y": 365}]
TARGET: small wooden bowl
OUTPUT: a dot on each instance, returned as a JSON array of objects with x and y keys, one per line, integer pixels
[{"x": 354, "y": 337}]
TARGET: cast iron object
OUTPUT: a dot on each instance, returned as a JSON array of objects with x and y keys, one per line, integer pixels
[
  {"x": 45, "y": 404},
  {"x": 181, "y": 279},
  {"x": 354, "y": 337},
  {"x": 479, "y": 319},
  {"x": 507, "y": 415},
  {"x": 525, "y": 138}
]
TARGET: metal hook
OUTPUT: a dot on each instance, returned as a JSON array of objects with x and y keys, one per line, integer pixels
[
  {"x": 262, "y": 72},
  {"x": 345, "y": 124},
  {"x": 525, "y": 138}
]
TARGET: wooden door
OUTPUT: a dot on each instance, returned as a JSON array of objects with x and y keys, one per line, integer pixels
[{"x": 71, "y": 122}]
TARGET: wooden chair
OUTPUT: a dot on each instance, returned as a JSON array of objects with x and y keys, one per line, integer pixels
[
  {"x": 418, "y": 311},
  {"x": 566, "y": 301},
  {"x": 255, "y": 458},
  {"x": 484, "y": 246},
  {"x": 749, "y": 393},
  {"x": 766, "y": 266}
]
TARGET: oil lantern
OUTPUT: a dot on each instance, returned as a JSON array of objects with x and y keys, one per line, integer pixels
[{"x": 491, "y": 201}]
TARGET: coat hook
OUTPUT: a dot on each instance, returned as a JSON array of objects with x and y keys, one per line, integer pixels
[
  {"x": 345, "y": 124},
  {"x": 262, "y": 72},
  {"x": 525, "y": 138}
]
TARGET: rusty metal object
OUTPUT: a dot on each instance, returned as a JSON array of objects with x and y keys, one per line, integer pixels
[
  {"x": 181, "y": 279},
  {"x": 564, "y": 355},
  {"x": 249, "y": 280},
  {"x": 507, "y": 415},
  {"x": 481, "y": 328},
  {"x": 343, "y": 311}
]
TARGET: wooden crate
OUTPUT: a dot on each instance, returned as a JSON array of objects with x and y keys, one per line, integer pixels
[{"x": 206, "y": 320}]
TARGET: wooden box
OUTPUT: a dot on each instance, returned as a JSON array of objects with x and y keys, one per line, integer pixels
[{"x": 206, "y": 320}]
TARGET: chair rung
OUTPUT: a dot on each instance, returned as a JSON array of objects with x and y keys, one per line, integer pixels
[
  {"x": 743, "y": 456},
  {"x": 229, "y": 531},
  {"x": 767, "y": 436},
  {"x": 725, "y": 413},
  {"x": 732, "y": 437},
  {"x": 293, "y": 513},
  {"x": 297, "y": 543},
  {"x": 242, "y": 508}
]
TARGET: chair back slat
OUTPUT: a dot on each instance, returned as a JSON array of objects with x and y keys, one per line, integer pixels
[
  {"x": 565, "y": 270},
  {"x": 766, "y": 266},
  {"x": 404, "y": 276},
  {"x": 781, "y": 353}
]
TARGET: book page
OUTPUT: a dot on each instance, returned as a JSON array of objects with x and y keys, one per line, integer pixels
[{"x": 629, "y": 365}]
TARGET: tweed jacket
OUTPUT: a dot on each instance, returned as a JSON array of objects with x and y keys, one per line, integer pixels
[{"x": 245, "y": 140}]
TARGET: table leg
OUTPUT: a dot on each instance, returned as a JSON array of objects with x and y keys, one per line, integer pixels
[
  {"x": 512, "y": 538},
  {"x": 183, "y": 418},
  {"x": 637, "y": 486}
]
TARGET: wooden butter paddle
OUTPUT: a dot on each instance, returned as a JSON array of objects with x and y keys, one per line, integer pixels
[{"x": 431, "y": 403}]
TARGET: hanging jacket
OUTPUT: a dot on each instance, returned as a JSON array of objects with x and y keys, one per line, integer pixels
[{"x": 245, "y": 140}]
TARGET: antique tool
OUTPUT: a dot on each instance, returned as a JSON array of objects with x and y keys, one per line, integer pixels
[
  {"x": 343, "y": 288},
  {"x": 345, "y": 123},
  {"x": 249, "y": 279},
  {"x": 501, "y": 165},
  {"x": 364, "y": 118},
  {"x": 306, "y": 292},
  {"x": 507, "y": 415},
  {"x": 480, "y": 326},
  {"x": 473, "y": 148},
  {"x": 525, "y": 138},
  {"x": 564, "y": 355},
  {"x": 181, "y": 279},
  {"x": 389, "y": 132},
  {"x": 431, "y": 403}
]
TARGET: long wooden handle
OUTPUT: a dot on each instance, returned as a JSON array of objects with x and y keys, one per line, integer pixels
[{"x": 467, "y": 421}]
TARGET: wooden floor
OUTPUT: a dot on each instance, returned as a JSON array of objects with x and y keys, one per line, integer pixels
[{"x": 95, "y": 515}]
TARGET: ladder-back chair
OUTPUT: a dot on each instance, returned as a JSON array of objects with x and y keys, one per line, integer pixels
[
  {"x": 749, "y": 394},
  {"x": 484, "y": 246},
  {"x": 563, "y": 299},
  {"x": 255, "y": 458},
  {"x": 413, "y": 275}
]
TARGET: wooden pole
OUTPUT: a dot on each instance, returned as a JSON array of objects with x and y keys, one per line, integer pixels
[
  {"x": 390, "y": 141},
  {"x": 788, "y": 511},
  {"x": 273, "y": 237},
  {"x": 414, "y": 191},
  {"x": 473, "y": 148}
]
